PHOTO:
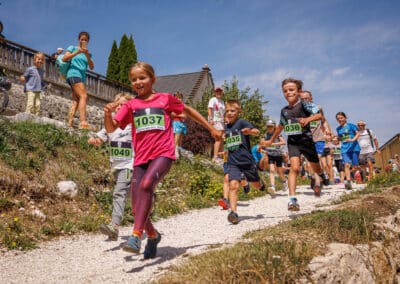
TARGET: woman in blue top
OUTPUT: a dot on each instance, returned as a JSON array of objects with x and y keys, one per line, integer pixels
[
  {"x": 348, "y": 135},
  {"x": 80, "y": 59}
]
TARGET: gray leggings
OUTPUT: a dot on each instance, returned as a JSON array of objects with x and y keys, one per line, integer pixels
[{"x": 121, "y": 189}]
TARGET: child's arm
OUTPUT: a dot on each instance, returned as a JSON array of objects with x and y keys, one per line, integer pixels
[
  {"x": 306, "y": 120},
  {"x": 280, "y": 143},
  {"x": 110, "y": 124},
  {"x": 251, "y": 131},
  {"x": 196, "y": 116},
  {"x": 277, "y": 131}
]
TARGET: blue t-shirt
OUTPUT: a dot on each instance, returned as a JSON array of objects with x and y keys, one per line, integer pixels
[
  {"x": 238, "y": 144},
  {"x": 33, "y": 79},
  {"x": 348, "y": 131},
  {"x": 256, "y": 155},
  {"x": 79, "y": 64}
]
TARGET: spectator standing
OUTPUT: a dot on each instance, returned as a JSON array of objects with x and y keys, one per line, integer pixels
[
  {"x": 80, "y": 59},
  {"x": 369, "y": 146},
  {"x": 57, "y": 53},
  {"x": 33, "y": 80},
  {"x": 216, "y": 111}
]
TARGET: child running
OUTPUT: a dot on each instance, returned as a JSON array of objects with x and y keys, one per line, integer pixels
[
  {"x": 240, "y": 163},
  {"x": 274, "y": 157},
  {"x": 121, "y": 159},
  {"x": 179, "y": 126},
  {"x": 348, "y": 134},
  {"x": 295, "y": 119},
  {"x": 154, "y": 147},
  {"x": 337, "y": 157}
]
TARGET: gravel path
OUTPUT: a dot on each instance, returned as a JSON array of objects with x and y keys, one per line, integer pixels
[{"x": 91, "y": 259}]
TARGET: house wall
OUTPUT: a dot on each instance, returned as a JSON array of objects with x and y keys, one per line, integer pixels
[{"x": 388, "y": 150}]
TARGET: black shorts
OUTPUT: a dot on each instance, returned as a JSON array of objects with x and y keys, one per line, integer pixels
[
  {"x": 74, "y": 80},
  {"x": 278, "y": 160},
  {"x": 326, "y": 152},
  {"x": 236, "y": 172},
  {"x": 339, "y": 165},
  {"x": 306, "y": 148}
]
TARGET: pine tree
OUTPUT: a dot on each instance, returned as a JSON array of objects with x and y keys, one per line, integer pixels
[
  {"x": 127, "y": 57},
  {"x": 113, "y": 63}
]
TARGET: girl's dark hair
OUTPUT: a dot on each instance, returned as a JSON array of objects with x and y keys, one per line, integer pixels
[
  {"x": 84, "y": 33},
  {"x": 341, "y": 113}
]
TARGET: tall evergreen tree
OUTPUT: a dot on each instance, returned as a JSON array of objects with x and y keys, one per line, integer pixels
[
  {"x": 127, "y": 57},
  {"x": 113, "y": 63}
]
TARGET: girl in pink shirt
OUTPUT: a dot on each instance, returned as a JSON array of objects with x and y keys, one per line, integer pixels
[{"x": 152, "y": 133}]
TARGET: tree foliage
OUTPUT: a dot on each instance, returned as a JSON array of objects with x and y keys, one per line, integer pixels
[
  {"x": 113, "y": 63},
  {"x": 198, "y": 139},
  {"x": 121, "y": 59}
]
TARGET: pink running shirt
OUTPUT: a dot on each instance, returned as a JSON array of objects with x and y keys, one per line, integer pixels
[{"x": 152, "y": 130}]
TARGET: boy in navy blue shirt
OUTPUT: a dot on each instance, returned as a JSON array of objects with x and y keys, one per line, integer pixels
[{"x": 240, "y": 161}]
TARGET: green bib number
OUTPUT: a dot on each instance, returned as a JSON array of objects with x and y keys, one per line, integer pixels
[
  {"x": 149, "y": 122},
  {"x": 121, "y": 150},
  {"x": 233, "y": 142},
  {"x": 337, "y": 151},
  {"x": 313, "y": 124},
  {"x": 293, "y": 129},
  {"x": 345, "y": 137}
]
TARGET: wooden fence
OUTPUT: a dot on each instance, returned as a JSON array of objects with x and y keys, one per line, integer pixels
[{"x": 17, "y": 58}]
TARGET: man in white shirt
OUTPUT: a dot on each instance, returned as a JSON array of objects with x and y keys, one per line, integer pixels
[
  {"x": 216, "y": 111},
  {"x": 369, "y": 145}
]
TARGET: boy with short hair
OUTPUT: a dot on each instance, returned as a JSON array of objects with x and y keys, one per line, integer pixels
[
  {"x": 295, "y": 121},
  {"x": 33, "y": 83},
  {"x": 240, "y": 161}
]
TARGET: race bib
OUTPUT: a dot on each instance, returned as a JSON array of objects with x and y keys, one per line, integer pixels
[
  {"x": 345, "y": 137},
  {"x": 121, "y": 150},
  {"x": 293, "y": 129},
  {"x": 313, "y": 124},
  {"x": 149, "y": 119},
  {"x": 337, "y": 151},
  {"x": 233, "y": 142}
]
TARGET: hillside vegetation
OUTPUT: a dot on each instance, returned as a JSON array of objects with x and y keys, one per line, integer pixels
[{"x": 35, "y": 157}]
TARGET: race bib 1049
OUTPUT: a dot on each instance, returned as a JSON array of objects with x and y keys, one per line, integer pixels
[
  {"x": 149, "y": 119},
  {"x": 121, "y": 150},
  {"x": 293, "y": 129}
]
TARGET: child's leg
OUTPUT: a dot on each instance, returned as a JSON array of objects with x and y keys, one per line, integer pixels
[
  {"x": 293, "y": 173},
  {"x": 272, "y": 170},
  {"x": 30, "y": 102},
  {"x": 144, "y": 182},
  {"x": 264, "y": 163},
  {"x": 225, "y": 187},
  {"x": 122, "y": 185},
  {"x": 37, "y": 103},
  {"x": 233, "y": 194}
]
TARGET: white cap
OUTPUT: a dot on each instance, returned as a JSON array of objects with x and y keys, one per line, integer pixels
[{"x": 60, "y": 49}]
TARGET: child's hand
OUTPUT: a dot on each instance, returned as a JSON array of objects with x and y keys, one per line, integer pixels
[
  {"x": 216, "y": 134},
  {"x": 267, "y": 143},
  {"x": 110, "y": 108},
  {"x": 95, "y": 141},
  {"x": 303, "y": 121}
]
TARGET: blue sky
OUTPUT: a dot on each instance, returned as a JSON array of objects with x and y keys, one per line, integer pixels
[{"x": 347, "y": 52}]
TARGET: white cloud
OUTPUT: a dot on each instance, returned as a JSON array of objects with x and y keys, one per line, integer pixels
[{"x": 340, "y": 71}]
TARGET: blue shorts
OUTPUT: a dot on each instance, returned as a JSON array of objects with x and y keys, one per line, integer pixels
[
  {"x": 350, "y": 158},
  {"x": 74, "y": 80},
  {"x": 179, "y": 127},
  {"x": 319, "y": 147},
  {"x": 236, "y": 172}
]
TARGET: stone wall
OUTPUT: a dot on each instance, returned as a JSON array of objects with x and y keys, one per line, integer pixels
[{"x": 55, "y": 102}]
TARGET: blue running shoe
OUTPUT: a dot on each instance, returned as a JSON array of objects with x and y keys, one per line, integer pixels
[
  {"x": 150, "y": 251},
  {"x": 133, "y": 244}
]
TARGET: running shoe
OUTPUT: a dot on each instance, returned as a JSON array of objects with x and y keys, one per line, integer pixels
[
  {"x": 233, "y": 217},
  {"x": 150, "y": 250},
  {"x": 133, "y": 244},
  {"x": 262, "y": 188},
  {"x": 317, "y": 190},
  {"x": 223, "y": 202},
  {"x": 271, "y": 191},
  {"x": 109, "y": 230},
  {"x": 347, "y": 185},
  {"x": 293, "y": 205}
]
